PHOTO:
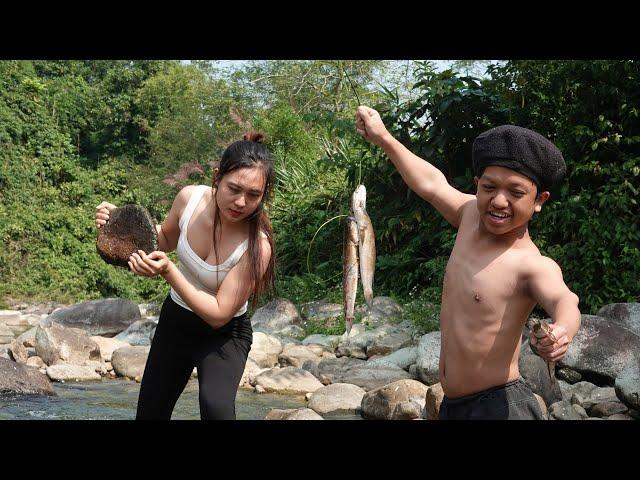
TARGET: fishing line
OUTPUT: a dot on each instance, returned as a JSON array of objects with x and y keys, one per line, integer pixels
[{"x": 314, "y": 236}]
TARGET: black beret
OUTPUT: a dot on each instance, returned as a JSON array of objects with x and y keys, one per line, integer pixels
[{"x": 522, "y": 150}]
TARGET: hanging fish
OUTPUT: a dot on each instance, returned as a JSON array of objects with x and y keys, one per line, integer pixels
[
  {"x": 366, "y": 242},
  {"x": 350, "y": 270}
]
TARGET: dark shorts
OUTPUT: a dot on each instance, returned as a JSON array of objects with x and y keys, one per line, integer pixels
[{"x": 512, "y": 401}]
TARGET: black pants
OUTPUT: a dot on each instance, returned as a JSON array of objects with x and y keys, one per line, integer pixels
[
  {"x": 512, "y": 401},
  {"x": 183, "y": 341}
]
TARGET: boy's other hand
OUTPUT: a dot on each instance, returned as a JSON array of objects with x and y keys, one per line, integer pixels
[
  {"x": 547, "y": 348},
  {"x": 370, "y": 125}
]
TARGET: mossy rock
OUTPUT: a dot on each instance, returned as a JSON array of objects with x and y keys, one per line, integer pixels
[{"x": 130, "y": 228}]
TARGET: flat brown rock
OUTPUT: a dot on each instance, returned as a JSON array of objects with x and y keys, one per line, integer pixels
[{"x": 130, "y": 228}]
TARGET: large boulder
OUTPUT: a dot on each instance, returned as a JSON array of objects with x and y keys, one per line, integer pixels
[
  {"x": 428, "y": 361},
  {"x": 106, "y": 318},
  {"x": 357, "y": 344},
  {"x": 601, "y": 349},
  {"x": 275, "y": 316},
  {"x": 130, "y": 228},
  {"x": 289, "y": 380},
  {"x": 295, "y": 355},
  {"x": 57, "y": 344},
  {"x": 130, "y": 361},
  {"x": 401, "y": 400},
  {"x": 626, "y": 314},
  {"x": 383, "y": 311},
  {"x": 370, "y": 377},
  {"x": 535, "y": 372},
  {"x": 337, "y": 398},
  {"x": 330, "y": 370},
  {"x": 19, "y": 379},
  {"x": 293, "y": 414},
  {"x": 321, "y": 311},
  {"x": 138, "y": 333},
  {"x": 265, "y": 350},
  {"x": 71, "y": 373},
  {"x": 627, "y": 384}
]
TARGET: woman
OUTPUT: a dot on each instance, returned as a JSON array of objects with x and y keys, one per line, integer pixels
[{"x": 224, "y": 244}]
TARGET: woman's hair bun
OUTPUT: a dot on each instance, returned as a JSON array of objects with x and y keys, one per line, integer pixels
[{"x": 254, "y": 137}]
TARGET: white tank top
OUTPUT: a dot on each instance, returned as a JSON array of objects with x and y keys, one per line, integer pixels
[{"x": 199, "y": 273}]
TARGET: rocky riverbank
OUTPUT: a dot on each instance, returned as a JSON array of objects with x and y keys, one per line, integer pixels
[{"x": 383, "y": 369}]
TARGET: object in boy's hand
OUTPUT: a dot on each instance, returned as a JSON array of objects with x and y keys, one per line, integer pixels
[{"x": 130, "y": 228}]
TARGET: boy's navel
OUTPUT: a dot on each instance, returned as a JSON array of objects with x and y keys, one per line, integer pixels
[{"x": 476, "y": 297}]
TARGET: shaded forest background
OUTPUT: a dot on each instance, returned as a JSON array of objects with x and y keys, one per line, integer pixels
[{"x": 74, "y": 133}]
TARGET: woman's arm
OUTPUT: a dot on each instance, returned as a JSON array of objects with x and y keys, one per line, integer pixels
[{"x": 217, "y": 309}]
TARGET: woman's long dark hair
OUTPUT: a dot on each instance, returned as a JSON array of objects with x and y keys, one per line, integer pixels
[{"x": 250, "y": 153}]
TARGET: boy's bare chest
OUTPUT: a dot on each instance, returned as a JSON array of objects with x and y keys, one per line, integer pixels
[{"x": 487, "y": 278}]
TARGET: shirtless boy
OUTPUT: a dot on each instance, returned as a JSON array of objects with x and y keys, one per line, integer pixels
[{"x": 495, "y": 275}]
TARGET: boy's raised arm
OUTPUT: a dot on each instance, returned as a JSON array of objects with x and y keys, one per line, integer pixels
[{"x": 423, "y": 178}]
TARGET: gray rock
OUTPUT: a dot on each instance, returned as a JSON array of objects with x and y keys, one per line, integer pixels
[
  {"x": 138, "y": 333},
  {"x": 337, "y": 398},
  {"x": 18, "y": 352},
  {"x": 587, "y": 395},
  {"x": 601, "y": 347},
  {"x": 427, "y": 363},
  {"x": 384, "y": 310},
  {"x": 320, "y": 311},
  {"x": 330, "y": 370},
  {"x": 288, "y": 380},
  {"x": 371, "y": 377},
  {"x": 389, "y": 344},
  {"x": 130, "y": 228},
  {"x": 433, "y": 400},
  {"x": 19, "y": 379},
  {"x": 606, "y": 409},
  {"x": 355, "y": 344},
  {"x": 57, "y": 344},
  {"x": 275, "y": 315},
  {"x": 130, "y": 361},
  {"x": 6, "y": 335},
  {"x": 294, "y": 332},
  {"x": 329, "y": 341},
  {"x": 28, "y": 338},
  {"x": 568, "y": 375},
  {"x": 108, "y": 346},
  {"x": 402, "y": 358},
  {"x": 400, "y": 400},
  {"x": 626, "y": 314},
  {"x": 627, "y": 385},
  {"x": 149, "y": 309},
  {"x": 265, "y": 350},
  {"x": 296, "y": 355},
  {"x": 534, "y": 371},
  {"x": 74, "y": 373},
  {"x": 14, "y": 321},
  {"x": 35, "y": 362},
  {"x": 293, "y": 414},
  {"x": 566, "y": 411},
  {"x": 619, "y": 416},
  {"x": 105, "y": 318}
]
